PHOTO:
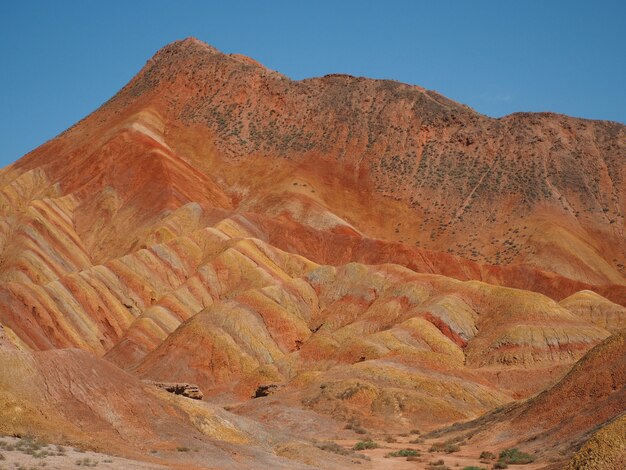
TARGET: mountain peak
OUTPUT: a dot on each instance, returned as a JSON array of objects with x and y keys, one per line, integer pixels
[{"x": 190, "y": 43}]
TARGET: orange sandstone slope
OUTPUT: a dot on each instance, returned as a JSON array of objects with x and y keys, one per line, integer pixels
[
  {"x": 71, "y": 397},
  {"x": 558, "y": 421},
  {"x": 378, "y": 252},
  {"x": 352, "y": 156}
]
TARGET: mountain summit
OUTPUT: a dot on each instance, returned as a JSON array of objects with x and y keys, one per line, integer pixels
[{"x": 355, "y": 254}]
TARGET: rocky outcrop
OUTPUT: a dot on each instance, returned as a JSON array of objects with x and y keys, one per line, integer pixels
[{"x": 186, "y": 390}]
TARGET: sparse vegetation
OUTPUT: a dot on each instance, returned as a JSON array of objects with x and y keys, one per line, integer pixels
[
  {"x": 183, "y": 449},
  {"x": 87, "y": 462},
  {"x": 355, "y": 426},
  {"x": 333, "y": 447},
  {"x": 404, "y": 453},
  {"x": 329, "y": 446},
  {"x": 448, "y": 447},
  {"x": 514, "y": 457},
  {"x": 367, "y": 444},
  {"x": 437, "y": 465},
  {"x": 486, "y": 455}
]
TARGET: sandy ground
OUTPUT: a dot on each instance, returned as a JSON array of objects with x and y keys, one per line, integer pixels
[
  {"x": 467, "y": 455},
  {"x": 25, "y": 454}
]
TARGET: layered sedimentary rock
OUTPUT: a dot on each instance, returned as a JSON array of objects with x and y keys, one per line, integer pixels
[
  {"x": 371, "y": 250},
  {"x": 586, "y": 406}
]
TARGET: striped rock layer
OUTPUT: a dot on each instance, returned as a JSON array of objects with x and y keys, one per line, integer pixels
[{"x": 375, "y": 250}]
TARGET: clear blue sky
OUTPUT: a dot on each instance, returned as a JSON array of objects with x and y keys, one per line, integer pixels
[{"x": 61, "y": 59}]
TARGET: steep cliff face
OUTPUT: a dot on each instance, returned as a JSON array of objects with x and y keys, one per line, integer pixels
[{"x": 342, "y": 238}]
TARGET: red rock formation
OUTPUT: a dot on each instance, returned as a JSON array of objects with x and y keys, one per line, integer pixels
[{"x": 218, "y": 223}]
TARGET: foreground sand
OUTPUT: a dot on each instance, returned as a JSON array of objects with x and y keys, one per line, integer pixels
[{"x": 18, "y": 453}]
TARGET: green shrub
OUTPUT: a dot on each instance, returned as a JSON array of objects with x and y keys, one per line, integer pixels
[
  {"x": 514, "y": 457},
  {"x": 362, "y": 445},
  {"x": 485, "y": 454},
  {"x": 404, "y": 453}
]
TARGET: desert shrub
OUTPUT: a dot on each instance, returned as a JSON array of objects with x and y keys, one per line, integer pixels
[
  {"x": 368, "y": 444},
  {"x": 437, "y": 465},
  {"x": 87, "y": 462},
  {"x": 485, "y": 454},
  {"x": 500, "y": 465},
  {"x": 390, "y": 439},
  {"x": 447, "y": 447},
  {"x": 333, "y": 447},
  {"x": 183, "y": 449},
  {"x": 514, "y": 457},
  {"x": 404, "y": 453},
  {"x": 355, "y": 425},
  {"x": 472, "y": 467}
]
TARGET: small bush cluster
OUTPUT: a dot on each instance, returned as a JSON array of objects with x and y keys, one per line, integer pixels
[
  {"x": 355, "y": 425},
  {"x": 329, "y": 446},
  {"x": 404, "y": 453},
  {"x": 448, "y": 447},
  {"x": 33, "y": 447},
  {"x": 514, "y": 457},
  {"x": 333, "y": 447},
  {"x": 86, "y": 462},
  {"x": 367, "y": 444},
  {"x": 437, "y": 465}
]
